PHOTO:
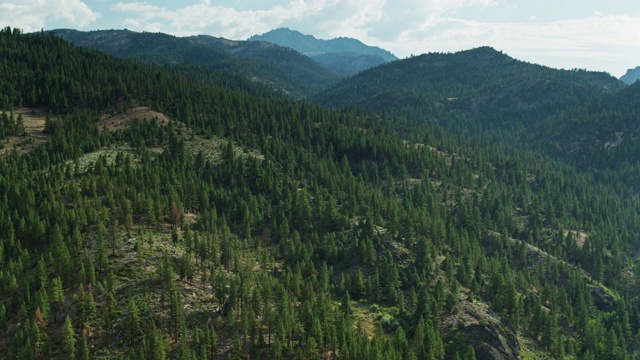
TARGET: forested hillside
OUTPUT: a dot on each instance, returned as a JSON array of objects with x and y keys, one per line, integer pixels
[
  {"x": 478, "y": 92},
  {"x": 587, "y": 119},
  {"x": 601, "y": 137},
  {"x": 271, "y": 65},
  {"x": 231, "y": 225}
]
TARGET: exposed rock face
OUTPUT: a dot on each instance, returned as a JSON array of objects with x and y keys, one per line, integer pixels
[
  {"x": 493, "y": 341},
  {"x": 602, "y": 300},
  {"x": 492, "y": 337}
]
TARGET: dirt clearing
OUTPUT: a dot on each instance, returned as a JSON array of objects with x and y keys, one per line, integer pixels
[
  {"x": 33, "y": 119},
  {"x": 124, "y": 120}
]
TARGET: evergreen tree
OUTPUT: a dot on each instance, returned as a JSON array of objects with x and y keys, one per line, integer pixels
[
  {"x": 69, "y": 338},
  {"x": 131, "y": 321},
  {"x": 83, "y": 348}
]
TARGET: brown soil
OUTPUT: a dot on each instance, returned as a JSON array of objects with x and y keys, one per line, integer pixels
[
  {"x": 579, "y": 236},
  {"x": 33, "y": 125},
  {"x": 124, "y": 120}
]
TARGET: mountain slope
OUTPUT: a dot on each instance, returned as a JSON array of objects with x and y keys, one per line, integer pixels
[
  {"x": 344, "y": 56},
  {"x": 602, "y": 136},
  {"x": 283, "y": 58},
  {"x": 271, "y": 65},
  {"x": 631, "y": 76},
  {"x": 496, "y": 95}
]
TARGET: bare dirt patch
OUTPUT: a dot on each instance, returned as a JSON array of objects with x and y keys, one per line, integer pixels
[
  {"x": 579, "y": 236},
  {"x": 124, "y": 120},
  {"x": 33, "y": 119}
]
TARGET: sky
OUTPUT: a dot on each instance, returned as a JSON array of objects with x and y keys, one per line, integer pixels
[{"x": 585, "y": 34}]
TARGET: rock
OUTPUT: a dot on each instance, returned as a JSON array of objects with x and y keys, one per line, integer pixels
[
  {"x": 491, "y": 335},
  {"x": 493, "y": 341},
  {"x": 602, "y": 300}
]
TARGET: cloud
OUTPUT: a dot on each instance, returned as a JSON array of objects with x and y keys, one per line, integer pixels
[
  {"x": 323, "y": 18},
  {"x": 203, "y": 17},
  {"x": 596, "y": 42},
  {"x": 33, "y": 15}
]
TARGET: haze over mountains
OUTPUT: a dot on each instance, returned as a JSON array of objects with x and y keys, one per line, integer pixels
[
  {"x": 274, "y": 66},
  {"x": 344, "y": 56},
  {"x": 202, "y": 198},
  {"x": 631, "y": 76}
]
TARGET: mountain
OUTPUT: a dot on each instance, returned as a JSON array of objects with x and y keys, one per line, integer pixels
[
  {"x": 481, "y": 92},
  {"x": 271, "y": 65},
  {"x": 145, "y": 215},
  {"x": 344, "y": 56},
  {"x": 631, "y": 76},
  {"x": 587, "y": 119}
]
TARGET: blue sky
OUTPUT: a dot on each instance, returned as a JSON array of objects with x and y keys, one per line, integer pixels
[{"x": 586, "y": 34}]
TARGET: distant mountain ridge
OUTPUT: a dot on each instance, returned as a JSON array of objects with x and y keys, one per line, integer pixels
[
  {"x": 344, "y": 56},
  {"x": 272, "y": 65},
  {"x": 466, "y": 74},
  {"x": 631, "y": 76}
]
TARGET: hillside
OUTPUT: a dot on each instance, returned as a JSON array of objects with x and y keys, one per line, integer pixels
[
  {"x": 585, "y": 118},
  {"x": 344, "y": 56},
  {"x": 286, "y": 60},
  {"x": 273, "y": 66},
  {"x": 167, "y": 218},
  {"x": 479, "y": 92},
  {"x": 601, "y": 136}
]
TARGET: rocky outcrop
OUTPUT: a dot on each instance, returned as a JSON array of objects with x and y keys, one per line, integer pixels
[
  {"x": 492, "y": 341},
  {"x": 602, "y": 300},
  {"x": 492, "y": 337}
]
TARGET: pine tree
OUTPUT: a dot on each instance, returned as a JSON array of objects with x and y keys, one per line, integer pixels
[
  {"x": 470, "y": 354},
  {"x": 211, "y": 342},
  {"x": 69, "y": 338},
  {"x": 3, "y": 319},
  {"x": 83, "y": 348},
  {"x": 177, "y": 315},
  {"x": 156, "y": 342},
  {"x": 132, "y": 321},
  {"x": 108, "y": 312},
  {"x": 347, "y": 310},
  {"x": 114, "y": 241},
  {"x": 56, "y": 297}
]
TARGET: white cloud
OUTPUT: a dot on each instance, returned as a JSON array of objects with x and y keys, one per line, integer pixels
[
  {"x": 596, "y": 42},
  {"x": 33, "y": 15},
  {"x": 323, "y": 18},
  {"x": 204, "y": 17}
]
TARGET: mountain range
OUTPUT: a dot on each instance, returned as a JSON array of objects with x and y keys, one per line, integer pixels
[
  {"x": 274, "y": 66},
  {"x": 344, "y": 56},
  {"x": 202, "y": 198}
]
